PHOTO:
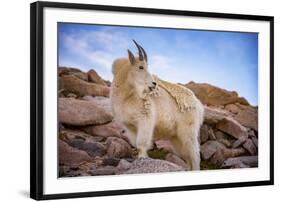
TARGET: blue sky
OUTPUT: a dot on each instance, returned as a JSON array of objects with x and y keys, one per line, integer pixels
[{"x": 225, "y": 59}]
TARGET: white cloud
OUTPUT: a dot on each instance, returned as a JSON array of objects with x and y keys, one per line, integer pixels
[
  {"x": 159, "y": 62},
  {"x": 92, "y": 48}
]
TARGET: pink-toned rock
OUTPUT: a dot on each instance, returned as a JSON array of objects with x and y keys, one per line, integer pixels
[
  {"x": 255, "y": 141},
  {"x": 232, "y": 127},
  {"x": 223, "y": 138},
  {"x": 81, "y": 113},
  {"x": 101, "y": 102},
  {"x": 148, "y": 165},
  {"x": 247, "y": 116},
  {"x": 165, "y": 145},
  {"x": 213, "y": 115},
  {"x": 111, "y": 129},
  {"x": 223, "y": 153},
  {"x": 81, "y": 75},
  {"x": 239, "y": 142},
  {"x": 232, "y": 108},
  {"x": 249, "y": 161},
  {"x": 67, "y": 70},
  {"x": 250, "y": 147},
  {"x": 117, "y": 147},
  {"x": 95, "y": 78},
  {"x": 176, "y": 160},
  {"x": 83, "y": 141},
  {"x": 211, "y": 95},
  {"x": 204, "y": 134},
  {"x": 71, "y": 156},
  {"x": 209, "y": 148},
  {"x": 78, "y": 86}
]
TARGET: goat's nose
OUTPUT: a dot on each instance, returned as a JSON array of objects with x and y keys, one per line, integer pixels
[{"x": 154, "y": 83}]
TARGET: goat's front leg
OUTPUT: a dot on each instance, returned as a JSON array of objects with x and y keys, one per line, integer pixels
[{"x": 144, "y": 137}]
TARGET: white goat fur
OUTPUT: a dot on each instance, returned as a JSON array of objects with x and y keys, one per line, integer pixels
[{"x": 173, "y": 113}]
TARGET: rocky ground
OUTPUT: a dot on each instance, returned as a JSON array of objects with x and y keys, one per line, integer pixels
[{"x": 92, "y": 143}]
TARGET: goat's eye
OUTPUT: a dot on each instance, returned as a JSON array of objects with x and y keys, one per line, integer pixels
[{"x": 141, "y": 67}]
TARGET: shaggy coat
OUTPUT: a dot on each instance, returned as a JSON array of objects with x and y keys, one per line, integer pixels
[{"x": 150, "y": 109}]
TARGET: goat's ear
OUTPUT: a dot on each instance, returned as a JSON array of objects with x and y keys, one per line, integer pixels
[{"x": 131, "y": 57}]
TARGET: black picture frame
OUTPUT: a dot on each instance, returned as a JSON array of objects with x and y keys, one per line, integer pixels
[{"x": 37, "y": 99}]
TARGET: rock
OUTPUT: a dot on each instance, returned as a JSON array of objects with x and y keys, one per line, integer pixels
[
  {"x": 209, "y": 148},
  {"x": 226, "y": 142},
  {"x": 71, "y": 95},
  {"x": 111, "y": 129},
  {"x": 69, "y": 135},
  {"x": 68, "y": 171},
  {"x": 101, "y": 102},
  {"x": 211, "y": 134},
  {"x": 223, "y": 153},
  {"x": 80, "y": 87},
  {"x": 107, "y": 170},
  {"x": 123, "y": 166},
  {"x": 211, "y": 95},
  {"x": 247, "y": 116},
  {"x": 81, "y": 75},
  {"x": 110, "y": 161},
  {"x": 255, "y": 141},
  {"x": 232, "y": 108},
  {"x": 221, "y": 135},
  {"x": 95, "y": 78},
  {"x": 81, "y": 113},
  {"x": 249, "y": 161},
  {"x": 250, "y": 147},
  {"x": 251, "y": 133},
  {"x": 117, "y": 147},
  {"x": 166, "y": 145},
  {"x": 204, "y": 134},
  {"x": 91, "y": 147},
  {"x": 176, "y": 160},
  {"x": 214, "y": 115},
  {"x": 224, "y": 138},
  {"x": 148, "y": 165},
  {"x": 71, "y": 156},
  {"x": 239, "y": 142},
  {"x": 108, "y": 83},
  {"x": 232, "y": 127},
  {"x": 67, "y": 70}
]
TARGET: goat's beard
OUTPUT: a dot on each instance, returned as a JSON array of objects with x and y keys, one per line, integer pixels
[{"x": 146, "y": 92}]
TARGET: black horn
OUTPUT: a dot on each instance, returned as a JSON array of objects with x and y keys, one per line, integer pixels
[
  {"x": 141, "y": 57},
  {"x": 144, "y": 53}
]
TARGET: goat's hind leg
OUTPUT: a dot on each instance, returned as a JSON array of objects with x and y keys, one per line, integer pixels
[{"x": 190, "y": 148}]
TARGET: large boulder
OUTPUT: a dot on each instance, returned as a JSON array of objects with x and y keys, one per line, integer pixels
[
  {"x": 81, "y": 113},
  {"x": 101, "y": 102},
  {"x": 232, "y": 127},
  {"x": 80, "y": 87},
  {"x": 247, "y": 116},
  {"x": 95, "y": 78},
  {"x": 67, "y": 70},
  {"x": 111, "y": 129},
  {"x": 213, "y": 115},
  {"x": 147, "y": 165},
  {"x": 211, "y": 95}
]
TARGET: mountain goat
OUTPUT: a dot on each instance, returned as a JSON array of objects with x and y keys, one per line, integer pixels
[{"x": 151, "y": 108}]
